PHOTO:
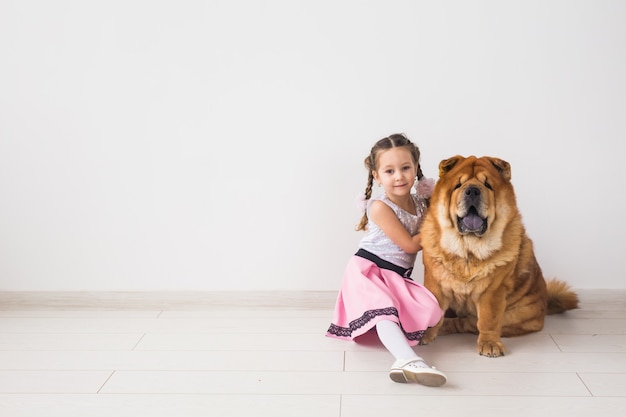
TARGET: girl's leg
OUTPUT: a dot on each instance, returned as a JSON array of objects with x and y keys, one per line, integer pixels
[
  {"x": 408, "y": 367},
  {"x": 391, "y": 335}
]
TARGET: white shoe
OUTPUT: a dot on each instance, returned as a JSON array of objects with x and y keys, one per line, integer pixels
[{"x": 416, "y": 370}]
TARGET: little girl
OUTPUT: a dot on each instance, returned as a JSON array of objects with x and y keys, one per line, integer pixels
[{"x": 377, "y": 289}]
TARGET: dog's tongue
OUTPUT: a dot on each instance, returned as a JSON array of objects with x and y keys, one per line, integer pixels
[{"x": 472, "y": 221}]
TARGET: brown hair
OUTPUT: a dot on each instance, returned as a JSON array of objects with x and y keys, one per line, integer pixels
[{"x": 397, "y": 140}]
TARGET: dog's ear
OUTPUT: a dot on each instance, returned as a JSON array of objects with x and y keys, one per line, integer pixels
[
  {"x": 502, "y": 166},
  {"x": 447, "y": 164}
]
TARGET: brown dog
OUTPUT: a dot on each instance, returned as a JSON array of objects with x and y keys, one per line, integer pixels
[{"x": 478, "y": 260}]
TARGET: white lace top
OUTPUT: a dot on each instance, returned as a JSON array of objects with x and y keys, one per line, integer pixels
[{"x": 377, "y": 242}]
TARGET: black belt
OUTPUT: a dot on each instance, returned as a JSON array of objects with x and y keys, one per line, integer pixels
[{"x": 381, "y": 263}]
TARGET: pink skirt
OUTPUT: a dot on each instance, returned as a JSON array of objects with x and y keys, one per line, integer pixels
[{"x": 370, "y": 294}]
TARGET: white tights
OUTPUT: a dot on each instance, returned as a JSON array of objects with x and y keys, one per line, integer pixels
[{"x": 391, "y": 335}]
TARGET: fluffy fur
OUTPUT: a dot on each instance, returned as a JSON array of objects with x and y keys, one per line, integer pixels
[{"x": 478, "y": 260}]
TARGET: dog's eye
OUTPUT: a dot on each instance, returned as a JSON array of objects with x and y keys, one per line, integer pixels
[
  {"x": 457, "y": 186},
  {"x": 488, "y": 185}
]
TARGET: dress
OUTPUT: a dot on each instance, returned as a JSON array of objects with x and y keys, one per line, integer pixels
[{"x": 370, "y": 293}]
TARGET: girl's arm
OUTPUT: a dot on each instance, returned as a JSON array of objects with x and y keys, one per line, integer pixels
[{"x": 386, "y": 219}]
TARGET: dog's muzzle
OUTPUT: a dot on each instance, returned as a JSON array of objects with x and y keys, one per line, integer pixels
[{"x": 472, "y": 221}]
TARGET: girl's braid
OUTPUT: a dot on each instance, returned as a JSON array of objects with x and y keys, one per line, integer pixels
[
  {"x": 368, "y": 194},
  {"x": 370, "y": 165}
]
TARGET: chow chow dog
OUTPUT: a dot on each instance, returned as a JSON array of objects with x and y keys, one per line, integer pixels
[{"x": 478, "y": 260}]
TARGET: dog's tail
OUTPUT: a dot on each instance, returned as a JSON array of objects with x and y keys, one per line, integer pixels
[{"x": 560, "y": 297}]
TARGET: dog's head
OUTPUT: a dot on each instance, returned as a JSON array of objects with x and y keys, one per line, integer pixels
[
  {"x": 472, "y": 204},
  {"x": 470, "y": 186}
]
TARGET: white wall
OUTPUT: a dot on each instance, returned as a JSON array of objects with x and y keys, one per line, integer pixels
[{"x": 218, "y": 145}]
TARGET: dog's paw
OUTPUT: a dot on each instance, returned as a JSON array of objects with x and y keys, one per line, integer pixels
[
  {"x": 429, "y": 336},
  {"x": 491, "y": 348}
]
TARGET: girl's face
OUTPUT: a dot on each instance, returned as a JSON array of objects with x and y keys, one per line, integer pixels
[{"x": 396, "y": 171}]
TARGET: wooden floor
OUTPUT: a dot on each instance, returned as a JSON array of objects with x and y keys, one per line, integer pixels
[{"x": 253, "y": 354}]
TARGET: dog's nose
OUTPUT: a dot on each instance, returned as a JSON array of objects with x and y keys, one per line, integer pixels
[
  {"x": 472, "y": 191},
  {"x": 472, "y": 195}
]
